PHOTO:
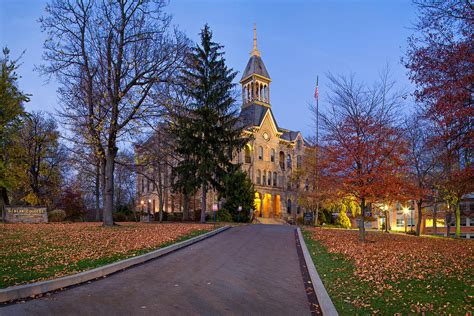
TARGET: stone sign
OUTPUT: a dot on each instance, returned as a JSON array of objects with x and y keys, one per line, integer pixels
[{"x": 26, "y": 214}]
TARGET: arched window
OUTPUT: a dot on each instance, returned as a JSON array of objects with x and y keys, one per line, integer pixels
[
  {"x": 264, "y": 178},
  {"x": 272, "y": 155},
  {"x": 248, "y": 92},
  {"x": 275, "y": 176},
  {"x": 245, "y": 93},
  {"x": 298, "y": 144},
  {"x": 252, "y": 94},
  {"x": 282, "y": 160},
  {"x": 260, "y": 153},
  {"x": 265, "y": 93},
  {"x": 269, "y": 178},
  {"x": 288, "y": 161},
  {"x": 288, "y": 206},
  {"x": 298, "y": 161},
  {"x": 248, "y": 157},
  {"x": 259, "y": 177}
]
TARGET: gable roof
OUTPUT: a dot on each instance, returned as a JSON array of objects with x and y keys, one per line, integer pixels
[{"x": 255, "y": 66}]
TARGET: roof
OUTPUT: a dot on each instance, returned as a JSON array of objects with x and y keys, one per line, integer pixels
[
  {"x": 255, "y": 66},
  {"x": 253, "y": 114}
]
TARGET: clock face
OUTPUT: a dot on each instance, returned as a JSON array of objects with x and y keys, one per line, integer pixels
[{"x": 266, "y": 136}]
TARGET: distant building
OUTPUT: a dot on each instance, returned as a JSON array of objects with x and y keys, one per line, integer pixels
[{"x": 435, "y": 221}]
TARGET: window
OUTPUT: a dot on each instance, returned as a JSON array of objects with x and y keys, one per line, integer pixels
[
  {"x": 259, "y": 177},
  {"x": 298, "y": 144},
  {"x": 298, "y": 161},
  {"x": 143, "y": 184},
  {"x": 288, "y": 206},
  {"x": 269, "y": 178},
  {"x": 289, "y": 183},
  {"x": 298, "y": 210},
  {"x": 248, "y": 157},
  {"x": 400, "y": 223},
  {"x": 260, "y": 153},
  {"x": 275, "y": 179},
  {"x": 282, "y": 160},
  {"x": 264, "y": 177},
  {"x": 288, "y": 161},
  {"x": 272, "y": 155},
  {"x": 148, "y": 185}
]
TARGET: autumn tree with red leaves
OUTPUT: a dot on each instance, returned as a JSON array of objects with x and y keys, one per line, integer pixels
[
  {"x": 440, "y": 59},
  {"x": 363, "y": 146}
]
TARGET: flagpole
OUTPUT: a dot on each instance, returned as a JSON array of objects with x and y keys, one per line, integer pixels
[{"x": 316, "y": 95}]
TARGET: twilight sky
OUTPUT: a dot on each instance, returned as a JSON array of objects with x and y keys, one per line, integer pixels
[{"x": 298, "y": 40}]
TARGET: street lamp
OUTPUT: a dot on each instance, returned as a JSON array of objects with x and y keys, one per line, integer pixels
[
  {"x": 405, "y": 212},
  {"x": 148, "y": 209},
  {"x": 142, "y": 203}
]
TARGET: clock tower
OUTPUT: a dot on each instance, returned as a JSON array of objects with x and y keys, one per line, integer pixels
[{"x": 255, "y": 80}]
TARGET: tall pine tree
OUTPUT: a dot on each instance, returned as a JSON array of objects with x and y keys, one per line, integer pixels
[{"x": 206, "y": 131}]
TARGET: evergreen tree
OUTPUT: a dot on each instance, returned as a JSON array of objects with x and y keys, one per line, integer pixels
[
  {"x": 11, "y": 111},
  {"x": 206, "y": 131},
  {"x": 238, "y": 191}
]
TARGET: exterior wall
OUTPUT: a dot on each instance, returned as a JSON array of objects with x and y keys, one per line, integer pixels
[{"x": 273, "y": 196}]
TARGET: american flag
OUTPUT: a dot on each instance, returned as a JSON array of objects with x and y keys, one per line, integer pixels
[{"x": 316, "y": 92}]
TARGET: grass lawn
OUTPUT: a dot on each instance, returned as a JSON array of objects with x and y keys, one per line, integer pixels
[
  {"x": 34, "y": 252},
  {"x": 394, "y": 274}
]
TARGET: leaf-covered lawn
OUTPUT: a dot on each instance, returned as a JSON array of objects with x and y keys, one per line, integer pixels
[
  {"x": 393, "y": 273},
  {"x": 34, "y": 252}
]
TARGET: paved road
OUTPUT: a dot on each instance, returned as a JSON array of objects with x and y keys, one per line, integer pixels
[{"x": 248, "y": 270}]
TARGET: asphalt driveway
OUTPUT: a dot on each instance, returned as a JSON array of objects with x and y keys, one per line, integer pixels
[{"x": 247, "y": 270}]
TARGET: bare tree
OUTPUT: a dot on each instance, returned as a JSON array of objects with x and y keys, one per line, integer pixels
[
  {"x": 361, "y": 140},
  {"x": 113, "y": 52},
  {"x": 421, "y": 162}
]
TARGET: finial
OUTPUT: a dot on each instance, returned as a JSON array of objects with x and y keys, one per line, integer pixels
[{"x": 255, "y": 50}]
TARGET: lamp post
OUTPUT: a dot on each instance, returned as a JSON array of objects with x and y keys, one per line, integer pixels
[
  {"x": 240, "y": 210},
  {"x": 148, "y": 208},
  {"x": 405, "y": 212},
  {"x": 142, "y": 203}
]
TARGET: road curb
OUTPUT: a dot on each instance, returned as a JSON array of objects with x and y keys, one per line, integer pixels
[
  {"x": 325, "y": 302},
  {"x": 28, "y": 290}
]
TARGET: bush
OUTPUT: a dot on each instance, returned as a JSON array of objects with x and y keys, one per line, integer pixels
[
  {"x": 299, "y": 220},
  {"x": 119, "y": 217},
  {"x": 56, "y": 216},
  {"x": 175, "y": 217},
  {"x": 224, "y": 216},
  {"x": 342, "y": 220}
]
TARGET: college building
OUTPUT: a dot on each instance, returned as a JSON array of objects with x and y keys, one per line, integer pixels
[{"x": 269, "y": 158}]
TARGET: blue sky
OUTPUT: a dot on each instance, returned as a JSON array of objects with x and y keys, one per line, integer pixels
[{"x": 298, "y": 40}]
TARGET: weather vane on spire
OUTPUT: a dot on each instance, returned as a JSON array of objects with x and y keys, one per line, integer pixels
[{"x": 255, "y": 49}]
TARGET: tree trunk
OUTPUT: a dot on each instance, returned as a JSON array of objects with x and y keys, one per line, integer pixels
[
  {"x": 458, "y": 220},
  {"x": 185, "y": 207},
  {"x": 97, "y": 191},
  {"x": 362, "y": 221},
  {"x": 103, "y": 162},
  {"x": 4, "y": 202},
  {"x": 109, "y": 188},
  {"x": 317, "y": 214},
  {"x": 420, "y": 214},
  {"x": 448, "y": 224},
  {"x": 203, "y": 203}
]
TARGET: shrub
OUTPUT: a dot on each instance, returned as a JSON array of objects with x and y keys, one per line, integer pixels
[
  {"x": 299, "y": 220},
  {"x": 119, "y": 217},
  {"x": 56, "y": 216},
  {"x": 342, "y": 220},
  {"x": 224, "y": 216}
]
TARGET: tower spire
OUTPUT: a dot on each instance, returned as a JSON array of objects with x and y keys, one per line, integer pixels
[{"x": 255, "y": 51}]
